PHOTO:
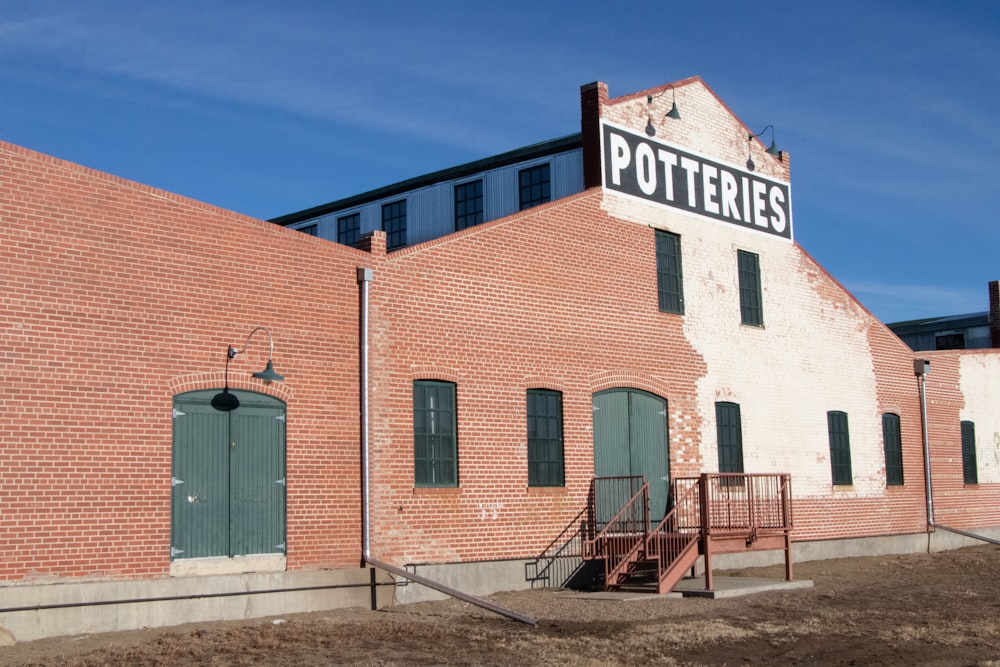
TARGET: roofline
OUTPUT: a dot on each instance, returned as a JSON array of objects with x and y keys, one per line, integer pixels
[
  {"x": 953, "y": 321},
  {"x": 522, "y": 154}
]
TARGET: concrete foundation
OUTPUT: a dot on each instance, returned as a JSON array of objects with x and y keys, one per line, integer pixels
[{"x": 31, "y": 611}]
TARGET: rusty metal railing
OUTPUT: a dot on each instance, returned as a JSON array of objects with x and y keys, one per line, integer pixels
[{"x": 623, "y": 536}]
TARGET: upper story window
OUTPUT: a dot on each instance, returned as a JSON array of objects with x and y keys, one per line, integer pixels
[
  {"x": 435, "y": 440},
  {"x": 970, "y": 472},
  {"x": 545, "y": 438},
  {"x": 952, "y": 341},
  {"x": 311, "y": 230},
  {"x": 729, "y": 431},
  {"x": 534, "y": 186},
  {"x": 468, "y": 204},
  {"x": 669, "y": 279},
  {"x": 892, "y": 443},
  {"x": 394, "y": 224},
  {"x": 840, "y": 448},
  {"x": 349, "y": 229},
  {"x": 751, "y": 309}
]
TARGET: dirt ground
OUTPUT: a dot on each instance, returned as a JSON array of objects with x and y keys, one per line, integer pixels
[{"x": 927, "y": 609}]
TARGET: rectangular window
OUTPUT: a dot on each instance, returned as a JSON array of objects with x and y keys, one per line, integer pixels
[
  {"x": 533, "y": 186},
  {"x": 435, "y": 442},
  {"x": 970, "y": 474},
  {"x": 468, "y": 204},
  {"x": 892, "y": 442},
  {"x": 840, "y": 447},
  {"x": 954, "y": 341},
  {"x": 349, "y": 229},
  {"x": 394, "y": 224},
  {"x": 729, "y": 430},
  {"x": 311, "y": 230},
  {"x": 669, "y": 279},
  {"x": 545, "y": 438},
  {"x": 751, "y": 311}
]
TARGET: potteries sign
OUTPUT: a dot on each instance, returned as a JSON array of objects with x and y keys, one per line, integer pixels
[{"x": 660, "y": 173}]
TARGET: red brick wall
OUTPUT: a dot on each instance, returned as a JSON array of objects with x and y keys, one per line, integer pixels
[
  {"x": 558, "y": 298},
  {"x": 113, "y": 298}
]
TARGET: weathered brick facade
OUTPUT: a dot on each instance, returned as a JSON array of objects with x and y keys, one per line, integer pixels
[{"x": 117, "y": 297}]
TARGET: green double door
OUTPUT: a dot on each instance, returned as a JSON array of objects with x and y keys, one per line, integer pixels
[
  {"x": 228, "y": 478},
  {"x": 630, "y": 438}
]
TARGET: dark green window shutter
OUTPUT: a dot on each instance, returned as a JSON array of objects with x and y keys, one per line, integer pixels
[
  {"x": 970, "y": 474},
  {"x": 751, "y": 309},
  {"x": 545, "y": 438},
  {"x": 670, "y": 284},
  {"x": 840, "y": 447},
  {"x": 435, "y": 442},
  {"x": 729, "y": 429},
  {"x": 892, "y": 442}
]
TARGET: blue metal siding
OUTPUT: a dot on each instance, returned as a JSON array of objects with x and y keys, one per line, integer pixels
[{"x": 431, "y": 210}]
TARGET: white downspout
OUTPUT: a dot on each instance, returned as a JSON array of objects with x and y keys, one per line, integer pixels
[
  {"x": 921, "y": 367},
  {"x": 364, "y": 278}
]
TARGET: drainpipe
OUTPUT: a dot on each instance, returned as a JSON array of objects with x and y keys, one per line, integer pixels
[
  {"x": 921, "y": 367},
  {"x": 364, "y": 278}
]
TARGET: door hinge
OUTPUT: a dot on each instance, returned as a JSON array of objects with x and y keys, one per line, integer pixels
[
  {"x": 280, "y": 418},
  {"x": 280, "y": 547},
  {"x": 175, "y": 552},
  {"x": 174, "y": 481},
  {"x": 280, "y": 481},
  {"x": 178, "y": 413}
]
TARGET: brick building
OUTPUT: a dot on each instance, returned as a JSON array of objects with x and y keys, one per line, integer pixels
[{"x": 657, "y": 318}]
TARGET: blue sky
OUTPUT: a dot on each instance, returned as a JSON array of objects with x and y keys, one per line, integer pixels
[{"x": 888, "y": 109}]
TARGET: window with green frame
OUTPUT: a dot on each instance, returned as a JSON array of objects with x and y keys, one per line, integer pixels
[
  {"x": 729, "y": 431},
  {"x": 751, "y": 309},
  {"x": 435, "y": 437},
  {"x": 970, "y": 473},
  {"x": 840, "y": 448},
  {"x": 892, "y": 443},
  {"x": 545, "y": 438},
  {"x": 669, "y": 278}
]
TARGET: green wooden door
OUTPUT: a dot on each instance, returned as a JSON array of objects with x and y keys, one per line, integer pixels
[
  {"x": 630, "y": 438},
  {"x": 228, "y": 480}
]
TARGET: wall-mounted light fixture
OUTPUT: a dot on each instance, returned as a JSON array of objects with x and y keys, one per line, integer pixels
[
  {"x": 772, "y": 149},
  {"x": 225, "y": 401},
  {"x": 673, "y": 113}
]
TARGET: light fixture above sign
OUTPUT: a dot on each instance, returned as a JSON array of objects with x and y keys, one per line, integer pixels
[{"x": 673, "y": 113}]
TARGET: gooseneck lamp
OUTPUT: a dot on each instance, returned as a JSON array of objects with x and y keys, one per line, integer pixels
[
  {"x": 772, "y": 149},
  {"x": 226, "y": 401}
]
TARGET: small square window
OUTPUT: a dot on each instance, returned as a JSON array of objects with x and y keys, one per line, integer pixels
[
  {"x": 349, "y": 229},
  {"x": 394, "y": 224},
  {"x": 534, "y": 187},
  {"x": 468, "y": 204}
]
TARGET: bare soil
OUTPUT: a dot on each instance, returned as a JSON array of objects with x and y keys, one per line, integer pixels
[{"x": 927, "y": 609}]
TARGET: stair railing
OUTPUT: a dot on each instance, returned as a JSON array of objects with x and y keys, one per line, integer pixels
[{"x": 623, "y": 537}]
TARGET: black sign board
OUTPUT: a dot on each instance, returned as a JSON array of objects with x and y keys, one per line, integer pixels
[{"x": 657, "y": 172}]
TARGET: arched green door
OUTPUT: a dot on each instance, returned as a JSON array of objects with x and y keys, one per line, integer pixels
[
  {"x": 228, "y": 480},
  {"x": 630, "y": 438}
]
